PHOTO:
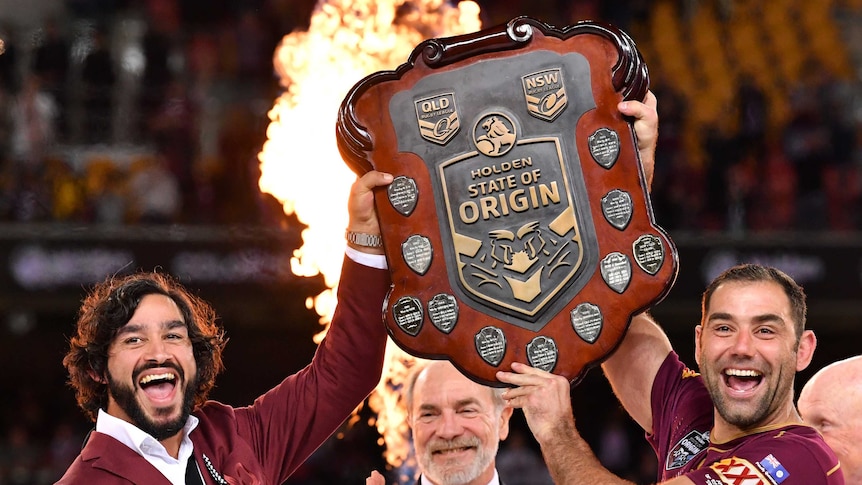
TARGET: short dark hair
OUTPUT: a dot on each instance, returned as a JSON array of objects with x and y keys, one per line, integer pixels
[
  {"x": 754, "y": 273},
  {"x": 109, "y": 306}
]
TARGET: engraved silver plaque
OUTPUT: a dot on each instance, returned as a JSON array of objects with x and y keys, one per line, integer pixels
[
  {"x": 617, "y": 271},
  {"x": 649, "y": 253},
  {"x": 604, "y": 147},
  {"x": 443, "y": 312},
  {"x": 407, "y": 313},
  {"x": 587, "y": 320},
  {"x": 617, "y": 208},
  {"x": 403, "y": 194},
  {"x": 542, "y": 353},
  {"x": 491, "y": 345},
  {"x": 417, "y": 253}
]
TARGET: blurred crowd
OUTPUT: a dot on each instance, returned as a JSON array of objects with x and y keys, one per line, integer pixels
[
  {"x": 154, "y": 111},
  {"x": 139, "y": 111}
]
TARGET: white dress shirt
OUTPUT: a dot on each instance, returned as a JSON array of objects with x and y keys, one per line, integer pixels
[{"x": 174, "y": 469}]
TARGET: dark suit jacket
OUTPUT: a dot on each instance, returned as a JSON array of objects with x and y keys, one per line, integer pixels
[{"x": 264, "y": 443}]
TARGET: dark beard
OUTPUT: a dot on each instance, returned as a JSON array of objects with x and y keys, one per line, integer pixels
[{"x": 125, "y": 398}]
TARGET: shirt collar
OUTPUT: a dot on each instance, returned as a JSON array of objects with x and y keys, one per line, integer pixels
[{"x": 140, "y": 441}]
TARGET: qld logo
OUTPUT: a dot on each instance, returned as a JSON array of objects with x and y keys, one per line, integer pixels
[{"x": 437, "y": 117}]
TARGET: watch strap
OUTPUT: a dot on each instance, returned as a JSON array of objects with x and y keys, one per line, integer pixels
[{"x": 364, "y": 239}]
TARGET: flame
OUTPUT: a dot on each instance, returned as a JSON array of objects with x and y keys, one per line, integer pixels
[{"x": 300, "y": 164}]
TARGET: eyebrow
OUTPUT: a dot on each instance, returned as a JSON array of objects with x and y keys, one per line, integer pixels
[
  {"x": 137, "y": 327},
  {"x": 766, "y": 317}
]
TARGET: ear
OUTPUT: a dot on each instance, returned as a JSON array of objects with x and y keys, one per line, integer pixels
[
  {"x": 698, "y": 331},
  {"x": 505, "y": 414},
  {"x": 96, "y": 377},
  {"x": 807, "y": 344}
]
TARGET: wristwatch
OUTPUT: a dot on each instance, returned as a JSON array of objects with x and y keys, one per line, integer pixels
[{"x": 363, "y": 239}]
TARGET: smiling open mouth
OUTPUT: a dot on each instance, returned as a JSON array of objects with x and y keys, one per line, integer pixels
[
  {"x": 742, "y": 380},
  {"x": 158, "y": 386}
]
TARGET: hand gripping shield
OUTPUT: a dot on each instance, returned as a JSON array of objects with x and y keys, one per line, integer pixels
[{"x": 518, "y": 226}]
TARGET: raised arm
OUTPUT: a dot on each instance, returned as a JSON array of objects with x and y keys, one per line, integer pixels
[
  {"x": 632, "y": 368},
  {"x": 545, "y": 401}
]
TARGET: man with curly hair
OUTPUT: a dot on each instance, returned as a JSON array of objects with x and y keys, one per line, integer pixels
[{"x": 146, "y": 354}]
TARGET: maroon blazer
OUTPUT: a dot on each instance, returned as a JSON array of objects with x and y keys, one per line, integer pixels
[{"x": 265, "y": 442}]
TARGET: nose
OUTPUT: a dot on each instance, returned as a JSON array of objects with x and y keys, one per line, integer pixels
[
  {"x": 156, "y": 351},
  {"x": 743, "y": 344},
  {"x": 449, "y": 425}
]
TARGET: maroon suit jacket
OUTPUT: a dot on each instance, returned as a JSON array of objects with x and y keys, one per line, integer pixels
[{"x": 265, "y": 442}]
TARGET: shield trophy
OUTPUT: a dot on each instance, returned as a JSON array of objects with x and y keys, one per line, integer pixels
[{"x": 518, "y": 227}]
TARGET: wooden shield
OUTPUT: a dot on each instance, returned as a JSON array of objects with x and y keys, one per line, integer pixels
[{"x": 518, "y": 227}]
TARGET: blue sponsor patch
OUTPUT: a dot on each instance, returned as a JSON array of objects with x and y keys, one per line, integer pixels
[{"x": 773, "y": 469}]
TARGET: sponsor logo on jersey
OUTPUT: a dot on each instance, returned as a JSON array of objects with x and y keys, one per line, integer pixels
[
  {"x": 687, "y": 448},
  {"x": 738, "y": 471}
]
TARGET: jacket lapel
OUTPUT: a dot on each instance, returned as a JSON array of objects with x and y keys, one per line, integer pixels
[{"x": 106, "y": 453}]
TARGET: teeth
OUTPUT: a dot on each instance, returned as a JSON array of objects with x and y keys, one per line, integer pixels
[
  {"x": 742, "y": 373},
  {"x": 155, "y": 377}
]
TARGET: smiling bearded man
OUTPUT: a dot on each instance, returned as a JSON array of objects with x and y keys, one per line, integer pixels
[
  {"x": 146, "y": 352},
  {"x": 733, "y": 424},
  {"x": 747, "y": 348},
  {"x": 125, "y": 398},
  {"x": 457, "y": 425}
]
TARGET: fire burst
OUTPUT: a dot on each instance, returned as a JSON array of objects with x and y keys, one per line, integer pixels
[{"x": 300, "y": 164}]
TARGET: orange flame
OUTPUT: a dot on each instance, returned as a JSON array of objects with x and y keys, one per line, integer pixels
[{"x": 300, "y": 164}]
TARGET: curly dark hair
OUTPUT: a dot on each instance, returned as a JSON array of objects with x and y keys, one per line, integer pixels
[{"x": 109, "y": 306}]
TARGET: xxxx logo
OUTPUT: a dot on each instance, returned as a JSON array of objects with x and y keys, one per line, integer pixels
[{"x": 737, "y": 471}]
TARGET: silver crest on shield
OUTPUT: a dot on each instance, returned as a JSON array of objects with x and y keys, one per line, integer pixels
[
  {"x": 443, "y": 312},
  {"x": 604, "y": 147},
  {"x": 407, "y": 313},
  {"x": 542, "y": 353},
  {"x": 587, "y": 320},
  {"x": 649, "y": 253},
  {"x": 403, "y": 194},
  {"x": 491, "y": 345},
  {"x": 617, "y": 271},
  {"x": 617, "y": 208},
  {"x": 417, "y": 253}
]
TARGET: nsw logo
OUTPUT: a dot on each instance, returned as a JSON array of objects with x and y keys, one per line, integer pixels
[{"x": 545, "y": 93}]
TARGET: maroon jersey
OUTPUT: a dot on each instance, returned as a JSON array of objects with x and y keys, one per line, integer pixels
[{"x": 682, "y": 419}]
